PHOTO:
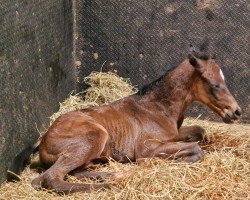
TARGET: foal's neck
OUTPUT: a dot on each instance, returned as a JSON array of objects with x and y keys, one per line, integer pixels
[{"x": 174, "y": 92}]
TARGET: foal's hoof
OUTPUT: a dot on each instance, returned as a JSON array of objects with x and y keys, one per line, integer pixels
[
  {"x": 118, "y": 177},
  {"x": 195, "y": 138},
  {"x": 193, "y": 154},
  {"x": 141, "y": 160},
  {"x": 122, "y": 175},
  {"x": 36, "y": 184},
  {"x": 198, "y": 135},
  {"x": 197, "y": 155}
]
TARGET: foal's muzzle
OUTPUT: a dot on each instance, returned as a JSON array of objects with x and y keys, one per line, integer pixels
[{"x": 232, "y": 115}]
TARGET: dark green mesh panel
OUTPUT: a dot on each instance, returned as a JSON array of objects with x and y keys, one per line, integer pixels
[
  {"x": 142, "y": 39},
  {"x": 36, "y": 69}
]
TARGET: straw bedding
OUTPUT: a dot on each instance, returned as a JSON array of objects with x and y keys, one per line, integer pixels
[{"x": 223, "y": 173}]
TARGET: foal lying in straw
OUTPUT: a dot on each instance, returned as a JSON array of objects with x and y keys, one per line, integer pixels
[{"x": 143, "y": 125}]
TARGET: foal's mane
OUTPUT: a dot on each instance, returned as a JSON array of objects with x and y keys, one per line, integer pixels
[
  {"x": 159, "y": 81},
  {"x": 155, "y": 83}
]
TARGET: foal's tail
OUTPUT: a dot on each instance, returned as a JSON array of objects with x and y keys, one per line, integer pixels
[{"x": 21, "y": 161}]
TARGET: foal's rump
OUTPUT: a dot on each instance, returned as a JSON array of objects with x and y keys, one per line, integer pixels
[{"x": 69, "y": 132}]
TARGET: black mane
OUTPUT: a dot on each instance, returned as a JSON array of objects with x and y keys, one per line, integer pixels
[{"x": 154, "y": 84}]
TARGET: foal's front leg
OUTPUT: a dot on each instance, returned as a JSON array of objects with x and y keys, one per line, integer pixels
[{"x": 184, "y": 151}]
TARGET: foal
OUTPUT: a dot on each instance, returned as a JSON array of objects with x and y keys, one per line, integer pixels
[{"x": 146, "y": 124}]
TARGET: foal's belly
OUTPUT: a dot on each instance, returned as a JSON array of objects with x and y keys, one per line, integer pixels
[
  {"x": 120, "y": 146},
  {"x": 128, "y": 131},
  {"x": 122, "y": 129}
]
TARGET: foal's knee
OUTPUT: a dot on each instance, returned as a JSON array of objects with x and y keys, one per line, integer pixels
[{"x": 198, "y": 130}]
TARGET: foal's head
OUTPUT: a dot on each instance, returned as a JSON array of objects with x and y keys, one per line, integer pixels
[{"x": 210, "y": 88}]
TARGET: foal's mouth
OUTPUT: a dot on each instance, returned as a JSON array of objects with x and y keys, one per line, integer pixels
[
  {"x": 231, "y": 117},
  {"x": 228, "y": 115},
  {"x": 228, "y": 120}
]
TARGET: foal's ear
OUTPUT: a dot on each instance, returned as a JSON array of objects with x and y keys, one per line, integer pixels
[
  {"x": 193, "y": 61},
  {"x": 195, "y": 57},
  {"x": 191, "y": 56}
]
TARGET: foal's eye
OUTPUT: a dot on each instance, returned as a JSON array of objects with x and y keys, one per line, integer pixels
[{"x": 215, "y": 86}]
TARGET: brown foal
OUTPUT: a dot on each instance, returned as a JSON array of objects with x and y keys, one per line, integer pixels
[{"x": 143, "y": 125}]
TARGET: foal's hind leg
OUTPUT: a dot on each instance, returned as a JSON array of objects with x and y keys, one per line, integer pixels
[
  {"x": 83, "y": 173},
  {"x": 190, "y": 134},
  {"x": 79, "y": 154},
  {"x": 100, "y": 175}
]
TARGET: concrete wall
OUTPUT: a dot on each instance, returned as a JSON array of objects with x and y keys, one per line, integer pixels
[{"x": 36, "y": 70}]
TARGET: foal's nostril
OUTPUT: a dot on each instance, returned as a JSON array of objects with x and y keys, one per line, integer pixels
[{"x": 238, "y": 112}]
